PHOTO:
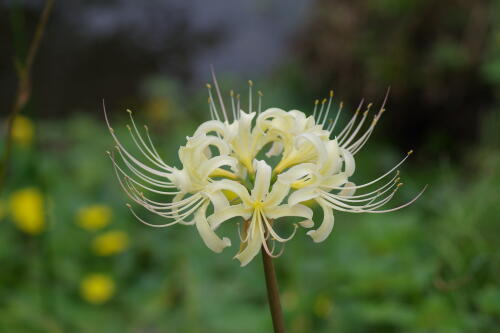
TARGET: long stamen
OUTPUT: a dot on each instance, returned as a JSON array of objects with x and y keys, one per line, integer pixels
[
  {"x": 260, "y": 101},
  {"x": 250, "y": 96},
  {"x": 346, "y": 140},
  {"x": 328, "y": 107},
  {"x": 316, "y": 102},
  {"x": 323, "y": 102},
  {"x": 375, "y": 180},
  {"x": 332, "y": 126},
  {"x": 233, "y": 106},
  {"x": 219, "y": 95},
  {"x": 238, "y": 107}
]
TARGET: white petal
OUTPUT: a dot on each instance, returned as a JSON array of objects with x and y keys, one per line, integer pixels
[
  {"x": 210, "y": 238},
  {"x": 307, "y": 224},
  {"x": 326, "y": 226},
  {"x": 254, "y": 243},
  {"x": 302, "y": 195},
  {"x": 211, "y": 126},
  {"x": 297, "y": 172},
  {"x": 279, "y": 191},
  {"x": 231, "y": 185},
  {"x": 275, "y": 150},
  {"x": 217, "y": 218},
  {"x": 262, "y": 180},
  {"x": 349, "y": 163},
  {"x": 289, "y": 210},
  {"x": 219, "y": 200},
  {"x": 318, "y": 145},
  {"x": 206, "y": 168},
  {"x": 336, "y": 180},
  {"x": 349, "y": 190}
]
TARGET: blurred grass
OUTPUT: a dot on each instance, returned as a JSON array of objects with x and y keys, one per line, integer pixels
[{"x": 432, "y": 267}]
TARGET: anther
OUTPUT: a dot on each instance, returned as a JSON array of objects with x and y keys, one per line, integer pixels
[
  {"x": 250, "y": 83},
  {"x": 324, "y": 101},
  {"x": 129, "y": 128},
  {"x": 146, "y": 127},
  {"x": 209, "y": 86},
  {"x": 410, "y": 152},
  {"x": 129, "y": 111},
  {"x": 231, "y": 93},
  {"x": 260, "y": 93},
  {"x": 316, "y": 102},
  {"x": 128, "y": 205},
  {"x": 331, "y": 93}
]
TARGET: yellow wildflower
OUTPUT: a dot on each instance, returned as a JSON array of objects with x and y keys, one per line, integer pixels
[
  {"x": 22, "y": 130},
  {"x": 109, "y": 243},
  {"x": 159, "y": 109},
  {"x": 26, "y": 209},
  {"x": 323, "y": 306},
  {"x": 97, "y": 288},
  {"x": 94, "y": 217}
]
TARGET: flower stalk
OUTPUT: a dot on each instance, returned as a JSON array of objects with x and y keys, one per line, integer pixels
[{"x": 273, "y": 295}]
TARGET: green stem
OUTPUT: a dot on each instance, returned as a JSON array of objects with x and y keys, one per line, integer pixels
[
  {"x": 23, "y": 92},
  {"x": 273, "y": 295}
]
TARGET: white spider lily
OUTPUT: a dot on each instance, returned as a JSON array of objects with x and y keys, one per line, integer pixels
[
  {"x": 221, "y": 179},
  {"x": 260, "y": 208}
]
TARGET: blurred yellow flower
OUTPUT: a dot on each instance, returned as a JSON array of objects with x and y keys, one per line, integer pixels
[
  {"x": 109, "y": 243},
  {"x": 159, "y": 109},
  {"x": 22, "y": 130},
  {"x": 323, "y": 306},
  {"x": 26, "y": 209},
  {"x": 97, "y": 288},
  {"x": 94, "y": 217}
]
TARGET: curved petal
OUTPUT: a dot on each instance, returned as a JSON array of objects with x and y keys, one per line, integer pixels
[
  {"x": 318, "y": 145},
  {"x": 326, "y": 226},
  {"x": 211, "y": 126},
  {"x": 350, "y": 189},
  {"x": 254, "y": 242},
  {"x": 262, "y": 180},
  {"x": 289, "y": 210},
  {"x": 213, "y": 242},
  {"x": 218, "y": 199},
  {"x": 206, "y": 168},
  {"x": 336, "y": 180},
  {"x": 297, "y": 172},
  {"x": 231, "y": 185},
  {"x": 217, "y": 218},
  {"x": 349, "y": 163},
  {"x": 279, "y": 191},
  {"x": 302, "y": 195}
]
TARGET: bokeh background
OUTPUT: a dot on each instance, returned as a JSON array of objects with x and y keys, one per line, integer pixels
[{"x": 73, "y": 259}]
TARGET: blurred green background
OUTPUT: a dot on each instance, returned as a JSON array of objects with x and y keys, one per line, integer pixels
[{"x": 73, "y": 259}]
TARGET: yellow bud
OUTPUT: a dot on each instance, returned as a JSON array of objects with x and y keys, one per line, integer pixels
[{"x": 97, "y": 288}]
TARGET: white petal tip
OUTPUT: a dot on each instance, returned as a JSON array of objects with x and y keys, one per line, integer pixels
[
  {"x": 307, "y": 224},
  {"x": 317, "y": 238}
]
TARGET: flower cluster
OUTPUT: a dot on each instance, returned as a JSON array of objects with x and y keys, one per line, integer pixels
[{"x": 260, "y": 167}]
